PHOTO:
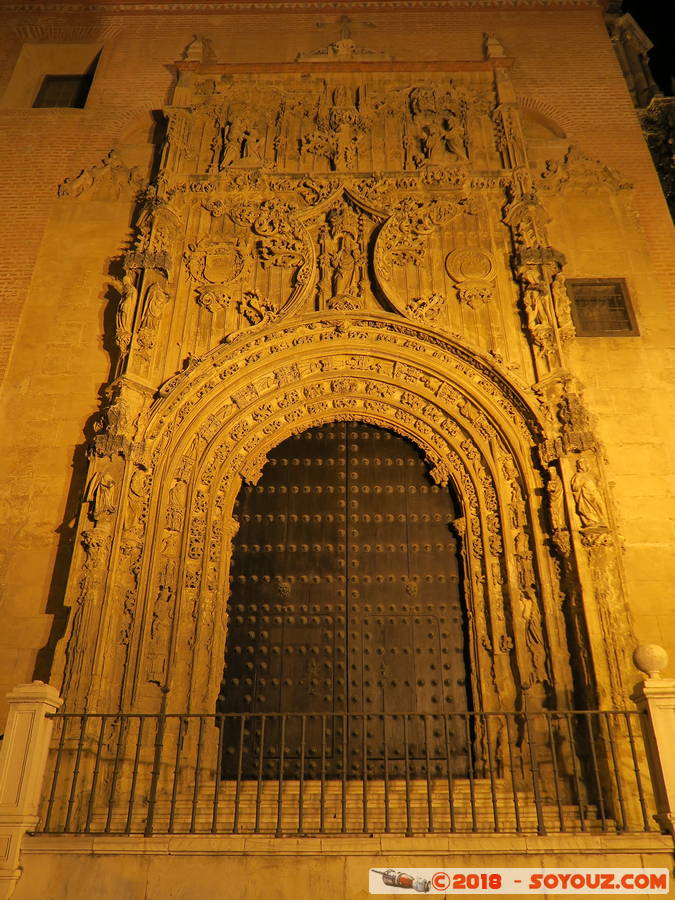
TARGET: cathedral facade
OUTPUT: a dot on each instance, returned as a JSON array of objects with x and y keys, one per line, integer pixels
[{"x": 335, "y": 439}]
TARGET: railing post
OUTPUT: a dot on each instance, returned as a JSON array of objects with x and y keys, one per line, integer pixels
[
  {"x": 23, "y": 757},
  {"x": 655, "y": 698}
]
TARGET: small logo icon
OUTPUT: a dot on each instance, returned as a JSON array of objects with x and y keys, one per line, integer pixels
[{"x": 401, "y": 879}]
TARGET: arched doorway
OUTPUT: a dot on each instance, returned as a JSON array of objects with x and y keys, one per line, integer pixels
[{"x": 345, "y": 597}]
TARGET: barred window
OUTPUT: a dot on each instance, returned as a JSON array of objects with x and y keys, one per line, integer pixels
[
  {"x": 601, "y": 307},
  {"x": 63, "y": 91}
]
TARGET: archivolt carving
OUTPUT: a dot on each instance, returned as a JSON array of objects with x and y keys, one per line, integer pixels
[{"x": 218, "y": 422}]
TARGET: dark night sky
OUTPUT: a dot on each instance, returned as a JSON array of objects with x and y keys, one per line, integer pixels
[{"x": 655, "y": 19}]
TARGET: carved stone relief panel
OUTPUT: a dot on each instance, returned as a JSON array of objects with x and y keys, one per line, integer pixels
[{"x": 338, "y": 122}]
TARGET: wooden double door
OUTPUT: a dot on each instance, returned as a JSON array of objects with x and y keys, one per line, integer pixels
[{"x": 345, "y": 598}]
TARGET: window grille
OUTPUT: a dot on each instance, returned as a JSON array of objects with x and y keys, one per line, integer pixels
[
  {"x": 601, "y": 307},
  {"x": 63, "y": 91}
]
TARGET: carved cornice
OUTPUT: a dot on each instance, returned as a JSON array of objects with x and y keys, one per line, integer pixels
[
  {"x": 355, "y": 65},
  {"x": 288, "y": 6}
]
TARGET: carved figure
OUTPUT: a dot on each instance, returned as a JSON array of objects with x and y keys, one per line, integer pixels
[
  {"x": 136, "y": 500},
  {"x": 111, "y": 178},
  {"x": 556, "y": 503},
  {"x": 346, "y": 262},
  {"x": 587, "y": 497},
  {"x": 237, "y": 143},
  {"x": 156, "y": 299},
  {"x": 125, "y": 311},
  {"x": 103, "y": 498},
  {"x": 563, "y": 308},
  {"x": 252, "y": 145}
]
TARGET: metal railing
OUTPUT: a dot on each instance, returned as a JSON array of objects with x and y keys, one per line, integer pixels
[{"x": 357, "y": 773}]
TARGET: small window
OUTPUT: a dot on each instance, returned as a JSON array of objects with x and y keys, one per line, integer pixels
[
  {"x": 63, "y": 91},
  {"x": 52, "y": 76},
  {"x": 601, "y": 307}
]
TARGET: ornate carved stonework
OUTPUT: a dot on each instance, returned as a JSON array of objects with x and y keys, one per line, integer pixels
[{"x": 340, "y": 247}]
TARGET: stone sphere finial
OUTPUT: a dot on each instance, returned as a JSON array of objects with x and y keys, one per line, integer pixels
[{"x": 650, "y": 659}]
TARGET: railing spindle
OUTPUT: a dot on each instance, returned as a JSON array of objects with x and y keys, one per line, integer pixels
[
  {"x": 176, "y": 772},
  {"x": 322, "y": 790},
  {"x": 94, "y": 780},
  {"x": 534, "y": 769},
  {"x": 345, "y": 764},
  {"x": 115, "y": 775},
  {"x": 280, "y": 795},
  {"x": 260, "y": 772},
  {"x": 301, "y": 774},
  {"x": 581, "y": 801},
  {"x": 617, "y": 772},
  {"x": 57, "y": 771},
  {"x": 449, "y": 768},
  {"x": 470, "y": 765},
  {"x": 240, "y": 764},
  {"x": 556, "y": 777},
  {"x": 636, "y": 768},
  {"x": 217, "y": 779},
  {"x": 76, "y": 772},
  {"x": 364, "y": 781},
  {"x": 408, "y": 810},
  {"x": 493, "y": 788},
  {"x": 596, "y": 771},
  {"x": 385, "y": 775},
  {"x": 430, "y": 796},
  {"x": 512, "y": 769}
]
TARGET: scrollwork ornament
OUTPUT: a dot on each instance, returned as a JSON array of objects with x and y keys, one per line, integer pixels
[{"x": 426, "y": 310}]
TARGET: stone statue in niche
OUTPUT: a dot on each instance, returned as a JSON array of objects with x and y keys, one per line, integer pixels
[
  {"x": 156, "y": 299},
  {"x": 347, "y": 259},
  {"x": 556, "y": 503},
  {"x": 587, "y": 497},
  {"x": 535, "y": 299},
  {"x": 102, "y": 497},
  {"x": 342, "y": 259},
  {"x": 136, "y": 501},
  {"x": 126, "y": 308}
]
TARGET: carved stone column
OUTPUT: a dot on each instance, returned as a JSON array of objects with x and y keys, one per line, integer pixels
[
  {"x": 23, "y": 756},
  {"x": 655, "y": 697}
]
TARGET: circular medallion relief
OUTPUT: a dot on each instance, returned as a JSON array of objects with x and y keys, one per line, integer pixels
[{"x": 470, "y": 265}]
